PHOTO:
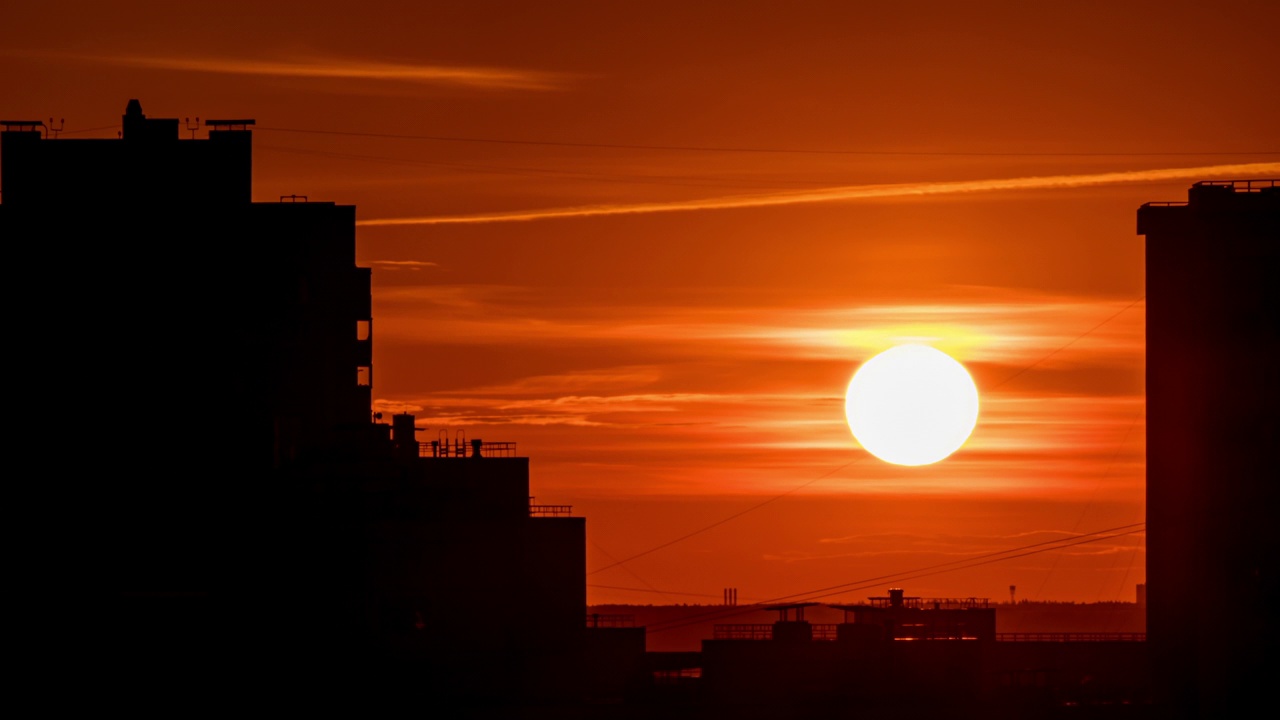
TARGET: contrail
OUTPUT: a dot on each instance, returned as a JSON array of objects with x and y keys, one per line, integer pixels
[
  {"x": 343, "y": 68},
  {"x": 846, "y": 192}
]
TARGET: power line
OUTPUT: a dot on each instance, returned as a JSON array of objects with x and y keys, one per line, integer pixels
[
  {"x": 86, "y": 130},
  {"x": 990, "y": 561},
  {"x": 714, "y": 149},
  {"x": 665, "y": 180},
  {"x": 976, "y": 561},
  {"x": 920, "y": 572},
  {"x": 736, "y": 515},
  {"x": 650, "y": 590},
  {"x": 1043, "y": 546},
  {"x": 1111, "y": 462},
  {"x": 724, "y": 520},
  {"x": 1083, "y": 335},
  {"x": 633, "y": 573}
]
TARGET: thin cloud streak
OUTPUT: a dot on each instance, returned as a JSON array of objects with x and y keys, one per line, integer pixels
[
  {"x": 992, "y": 331},
  {"x": 847, "y": 192},
  {"x": 402, "y": 264},
  {"x": 342, "y": 69}
]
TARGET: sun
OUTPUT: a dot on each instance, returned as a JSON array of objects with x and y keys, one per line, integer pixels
[{"x": 911, "y": 405}]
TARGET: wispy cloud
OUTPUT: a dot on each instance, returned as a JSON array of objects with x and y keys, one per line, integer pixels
[
  {"x": 846, "y": 192},
  {"x": 988, "y": 327},
  {"x": 333, "y": 68},
  {"x": 402, "y": 264}
]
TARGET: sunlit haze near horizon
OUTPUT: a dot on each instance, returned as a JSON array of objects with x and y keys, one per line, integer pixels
[{"x": 651, "y": 242}]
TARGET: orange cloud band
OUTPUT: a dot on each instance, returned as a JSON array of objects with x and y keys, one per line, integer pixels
[{"x": 848, "y": 192}]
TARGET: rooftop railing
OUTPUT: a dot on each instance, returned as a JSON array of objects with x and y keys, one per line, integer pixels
[
  {"x": 550, "y": 510},
  {"x": 1071, "y": 637},
  {"x": 914, "y": 603},
  {"x": 743, "y": 631},
  {"x": 596, "y": 620},
  {"x": 1235, "y": 186},
  {"x": 1239, "y": 185},
  {"x": 462, "y": 448},
  {"x": 827, "y": 632},
  {"x": 677, "y": 676}
]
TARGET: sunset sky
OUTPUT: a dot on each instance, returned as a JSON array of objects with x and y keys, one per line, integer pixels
[{"x": 650, "y": 242}]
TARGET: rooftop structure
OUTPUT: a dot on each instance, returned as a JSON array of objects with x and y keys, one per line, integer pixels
[{"x": 927, "y": 653}]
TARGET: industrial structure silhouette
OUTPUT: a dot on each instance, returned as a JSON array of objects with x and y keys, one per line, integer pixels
[{"x": 287, "y": 523}]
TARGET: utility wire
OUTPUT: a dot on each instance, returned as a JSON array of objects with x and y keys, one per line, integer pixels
[
  {"x": 1079, "y": 337},
  {"x": 633, "y": 573},
  {"x": 986, "y": 562},
  {"x": 939, "y": 569},
  {"x": 801, "y": 486},
  {"x": 648, "y": 590},
  {"x": 85, "y": 130},
  {"x": 664, "y": 180},
  {"x": 1106, "y": 471},
  {"x": 1043, "y": 546},
  {"x": 714, "y": 149},
  {"x": 722, "y": 521}
]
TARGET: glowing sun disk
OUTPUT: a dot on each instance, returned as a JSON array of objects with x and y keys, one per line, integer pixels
[{"x": 911, "y": 405}]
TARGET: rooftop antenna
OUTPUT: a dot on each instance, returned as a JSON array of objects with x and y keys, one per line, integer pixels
[
  {"x": 192, "y": 127},
  {"x": 55, "y": 130}
]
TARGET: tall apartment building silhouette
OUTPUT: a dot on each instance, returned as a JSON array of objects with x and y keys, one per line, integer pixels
[
  {"x": 1213, "y": 396},
  {"x": 211, "y": 359}
]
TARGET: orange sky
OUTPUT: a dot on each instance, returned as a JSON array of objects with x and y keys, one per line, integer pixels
[{"x": 650, "y": 242}]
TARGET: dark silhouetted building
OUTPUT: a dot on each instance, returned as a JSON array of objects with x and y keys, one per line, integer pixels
[
  {"x": 220, "y": 495},
  {"x": 1213, "y": 474},
  {"x": 920, "y": 657}
]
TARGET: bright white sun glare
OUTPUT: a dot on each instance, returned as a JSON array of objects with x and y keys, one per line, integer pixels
[{"x": 911, "y": 405}]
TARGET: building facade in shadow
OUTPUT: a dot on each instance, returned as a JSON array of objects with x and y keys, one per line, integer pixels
[
  {"x": 1213, "y": 403},
  {"x": 227, "y": 496}
]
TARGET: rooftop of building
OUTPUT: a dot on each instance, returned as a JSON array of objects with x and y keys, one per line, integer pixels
[{"x": 1210, "y": 190}]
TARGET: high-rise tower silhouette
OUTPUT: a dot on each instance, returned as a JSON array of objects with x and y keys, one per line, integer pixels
[
  {"x": 201, "y": 341},
  {"x": 1213, "y": 401}
]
